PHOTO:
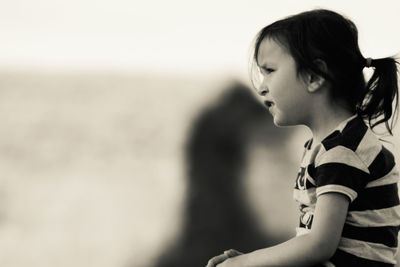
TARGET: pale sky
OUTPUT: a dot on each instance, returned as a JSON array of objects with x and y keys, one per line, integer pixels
[{"x": 165, "y": 36}]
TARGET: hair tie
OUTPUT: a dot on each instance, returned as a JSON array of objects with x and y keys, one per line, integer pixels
[{"x": 368, "y": 62}]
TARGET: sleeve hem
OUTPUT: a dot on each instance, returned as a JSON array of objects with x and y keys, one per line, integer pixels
[{"x": 333, "y": 188}]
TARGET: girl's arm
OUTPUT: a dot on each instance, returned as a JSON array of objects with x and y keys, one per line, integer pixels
[{"x": 315, "y": 247}]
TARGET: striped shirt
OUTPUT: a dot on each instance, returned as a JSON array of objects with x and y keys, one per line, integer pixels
[{"x": 352, "y": 161}]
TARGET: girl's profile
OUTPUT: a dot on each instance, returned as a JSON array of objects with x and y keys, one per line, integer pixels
[{"x": 308, "y": 70}]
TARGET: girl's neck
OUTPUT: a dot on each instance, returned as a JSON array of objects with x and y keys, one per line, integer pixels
[{"x": 326, "y": 120}]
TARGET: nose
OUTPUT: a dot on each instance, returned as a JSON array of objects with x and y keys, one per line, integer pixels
[{"x": 262, "y": 90}]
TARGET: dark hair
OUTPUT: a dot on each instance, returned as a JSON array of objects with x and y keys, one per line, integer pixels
[{"x": 325, "y": 35}]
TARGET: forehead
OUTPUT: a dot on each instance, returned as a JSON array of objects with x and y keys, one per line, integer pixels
[{"x": 271, "y": 51}]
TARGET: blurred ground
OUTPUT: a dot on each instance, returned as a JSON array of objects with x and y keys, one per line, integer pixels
[{"x": 92, "y": 167}]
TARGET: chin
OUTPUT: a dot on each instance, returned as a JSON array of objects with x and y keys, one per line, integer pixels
[{"x": 282, "y": 122}]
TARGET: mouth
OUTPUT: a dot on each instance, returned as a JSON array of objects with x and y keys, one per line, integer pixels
[{"x": 268, "y": 104}]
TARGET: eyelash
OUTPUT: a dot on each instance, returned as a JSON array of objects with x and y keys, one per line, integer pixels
[{"x": 267, "y": 70}]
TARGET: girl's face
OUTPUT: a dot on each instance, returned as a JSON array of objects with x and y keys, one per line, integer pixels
[{"x": 282, "y": 90}]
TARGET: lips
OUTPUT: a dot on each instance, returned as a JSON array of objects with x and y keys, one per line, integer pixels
[{"x": 268, "y": 103}]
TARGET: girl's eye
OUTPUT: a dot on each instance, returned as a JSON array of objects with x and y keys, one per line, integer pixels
[{"x": 267, "y": 70}]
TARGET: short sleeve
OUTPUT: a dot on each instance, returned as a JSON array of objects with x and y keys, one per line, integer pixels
[{"x": 340, "y": 170}]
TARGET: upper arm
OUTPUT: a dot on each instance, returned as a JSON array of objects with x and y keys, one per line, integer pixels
[
  {"x": 340, "y": 176},
  {"x": 329, "y": 218}
]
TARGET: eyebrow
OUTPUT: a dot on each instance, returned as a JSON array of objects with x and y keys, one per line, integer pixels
[
  {"x": 265, "y": 66},
  {"x": 266, "y": 62}
]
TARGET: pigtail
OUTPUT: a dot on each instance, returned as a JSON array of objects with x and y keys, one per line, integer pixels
[{"x": 381, "y": 90}]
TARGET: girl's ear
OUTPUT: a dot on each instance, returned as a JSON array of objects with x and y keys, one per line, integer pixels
[{"x": 315, "y": 81}]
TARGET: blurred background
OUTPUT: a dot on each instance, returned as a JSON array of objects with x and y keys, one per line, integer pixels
[{"x": 130, "y": 136}]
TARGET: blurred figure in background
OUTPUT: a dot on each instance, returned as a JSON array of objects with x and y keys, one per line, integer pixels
[{"x": 217, "y": 214}]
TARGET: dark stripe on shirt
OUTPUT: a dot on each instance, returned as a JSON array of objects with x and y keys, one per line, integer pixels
[
  {"x": 374, "y": 198},
  {"x": 302, "y": 179},
  {"x": 386, "y": 235},
  {"x": 382, "y": 164},
  {"x": 302, "y": 225},
  {"x": 341, "y": 174},
  {"x": 354, "y": 133},
  {"x": 308, "y": 144},
  {"x": 311, "y": 170},
  {"x": 332, "y": 140},
  {"x": 356, "y": 129},
  {"x": 343, "y": 259}
]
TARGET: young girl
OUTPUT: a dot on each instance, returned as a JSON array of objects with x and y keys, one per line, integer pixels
[{"x": 312, "y": 74}]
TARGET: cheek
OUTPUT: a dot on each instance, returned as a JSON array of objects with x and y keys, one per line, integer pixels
[
  {"x": 293, "y": 101},
  {"x": 289, "y": 92},
  {"x": 278, "y": 88},
  {"x": 282, "y": 96}
]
